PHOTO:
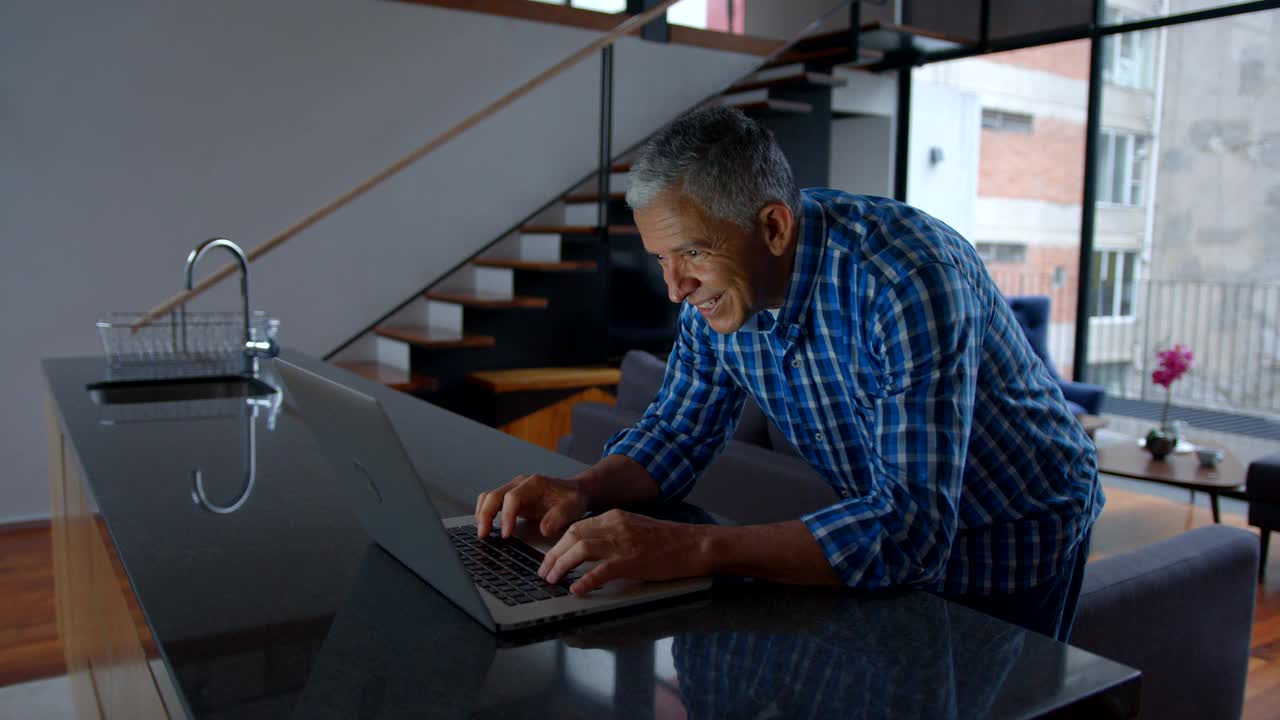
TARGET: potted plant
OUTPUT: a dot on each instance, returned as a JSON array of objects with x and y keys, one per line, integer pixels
[{"x": 1173, "y": 364}]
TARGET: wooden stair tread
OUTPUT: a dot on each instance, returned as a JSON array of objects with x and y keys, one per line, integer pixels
[
  {"x": 832, "y": 47},
  {"x": 562, "y": 266},
  {"x": 605, "y": 21},
  {"x": 888, "y": 37},
  {"x": 591, "y": 197},
  {"x": 431, "y": 337},
  {"x": 800, "y": 78},
  {"x": 775, "y": 105},
  {"x": 548, "y": 378},
  {"x": 393, "y": 377},
  {"x": 493, "y": 301},
  {"x": 579, "y": 229}
]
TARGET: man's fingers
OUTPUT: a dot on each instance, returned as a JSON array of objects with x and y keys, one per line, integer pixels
[
  {"x": 562, "y": 545},
  {"x": 488, "y": 507},
  {"x": 578, "y": 553},
  {"x": 556, "y": 520},
  {"x": 510, "y": 506},
  {"x": 599, "y": 575}
]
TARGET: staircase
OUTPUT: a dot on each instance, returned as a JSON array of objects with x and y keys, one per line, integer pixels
[{"x": 559, "y": 291}]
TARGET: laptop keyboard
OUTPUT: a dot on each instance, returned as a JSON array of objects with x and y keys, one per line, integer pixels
[{"x": 508, "y": 569}]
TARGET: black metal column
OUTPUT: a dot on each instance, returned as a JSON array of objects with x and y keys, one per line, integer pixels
[
  {"x": 903, "y": 134},
  {"x": 657, "y": 30},
  {"x": 606, "y": 143},
  {"x": 1088, "y": 206}
]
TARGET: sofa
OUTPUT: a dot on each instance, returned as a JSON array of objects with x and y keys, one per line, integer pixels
[
  {"x": 1180, "y": 610},
  {"x": 1262, "y": 487},
  {"x": 1033, "y": 314}
]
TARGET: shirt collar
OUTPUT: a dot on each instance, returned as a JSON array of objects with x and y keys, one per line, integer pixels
[{"x": 804, "y": 275}]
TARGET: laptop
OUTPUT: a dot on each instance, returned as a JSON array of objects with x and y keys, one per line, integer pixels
[{"x": 494, "y": 581}]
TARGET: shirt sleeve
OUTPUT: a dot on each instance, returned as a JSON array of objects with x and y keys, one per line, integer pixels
[
  {"x": 692, "y": 417},
  {"x": 925, "y": 335}
]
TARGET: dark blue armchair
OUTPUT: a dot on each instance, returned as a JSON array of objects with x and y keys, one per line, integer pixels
[{"x": 1032, "y": 312}]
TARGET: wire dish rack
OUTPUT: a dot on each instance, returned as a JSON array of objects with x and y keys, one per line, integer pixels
[{"x": 189, "y": 344}]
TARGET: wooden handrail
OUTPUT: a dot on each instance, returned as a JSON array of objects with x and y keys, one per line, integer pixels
[{"x": 626, "y": 27}]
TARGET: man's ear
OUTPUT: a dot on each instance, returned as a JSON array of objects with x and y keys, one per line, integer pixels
[{"x": 776, "y": 222}]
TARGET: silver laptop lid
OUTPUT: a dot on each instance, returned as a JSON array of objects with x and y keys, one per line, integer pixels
[{"x": 365, "y": 451}]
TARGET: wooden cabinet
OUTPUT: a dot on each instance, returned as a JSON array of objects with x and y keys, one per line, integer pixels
[{"x": 108, "y": 646}]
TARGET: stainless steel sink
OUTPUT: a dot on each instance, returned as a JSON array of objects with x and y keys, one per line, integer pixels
[{"x": 128, "y": 392}]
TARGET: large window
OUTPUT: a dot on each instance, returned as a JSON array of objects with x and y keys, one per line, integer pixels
[
  {"x": 1113, "y": 283},
  {"x": 1129, "y": 59},
  {"x": 1206, "y": 279},
  {"x": 1122, "y": 161},
  {"x": 1002, "y": 121},
  {"x": 995, "y": 252}
]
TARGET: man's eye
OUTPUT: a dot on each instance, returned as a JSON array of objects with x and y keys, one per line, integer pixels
[{"x": 692, "y": 253}]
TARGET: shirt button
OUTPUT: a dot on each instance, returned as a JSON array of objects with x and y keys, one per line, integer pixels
[
  {"x": 796, "y": 363},
  {"x": 846, "y": 494},
  {"x": 818, "y": 437}
]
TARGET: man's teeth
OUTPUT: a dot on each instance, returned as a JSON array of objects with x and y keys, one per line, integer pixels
[{"x": 710, "y": 303}]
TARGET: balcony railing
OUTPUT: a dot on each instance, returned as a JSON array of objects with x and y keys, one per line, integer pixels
[{"x": 1233, "y": 328}]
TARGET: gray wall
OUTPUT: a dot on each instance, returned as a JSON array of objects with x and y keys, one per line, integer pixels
[
  {"x": 131, "y": 131},
  {"x": 862, "y": 155}
]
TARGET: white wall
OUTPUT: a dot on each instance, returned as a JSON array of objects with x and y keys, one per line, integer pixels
[
  {"x": 131, "y": 131},
  {"x": 863, "y": 132},
  {"x": 948, "y": 121}
]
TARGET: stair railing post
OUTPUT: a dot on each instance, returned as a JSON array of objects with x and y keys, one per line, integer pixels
[
  {"x": 855, "y": 28},
  {"x": 658, "y": 30},
  {"x": 606, "y": 144}
]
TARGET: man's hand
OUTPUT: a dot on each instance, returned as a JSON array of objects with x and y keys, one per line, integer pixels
[
  {"x": 553, "y": 502},
  {"x": 626, "y": 546}
]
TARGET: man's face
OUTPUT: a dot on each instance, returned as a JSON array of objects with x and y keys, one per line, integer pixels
[{"x": 712, "y": 264}]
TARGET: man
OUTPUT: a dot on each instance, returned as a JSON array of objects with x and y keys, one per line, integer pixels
[{"x": 872, "y": 336}]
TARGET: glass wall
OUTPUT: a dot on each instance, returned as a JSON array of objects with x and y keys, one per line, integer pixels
[
  {"x": 1012, "y": 179},
  {"x": 1185, "y": 249},
  {"x": 1122, "y": 11}
]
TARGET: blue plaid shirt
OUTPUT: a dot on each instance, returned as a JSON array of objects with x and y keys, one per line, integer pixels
[{"x": 897, "y": 370}]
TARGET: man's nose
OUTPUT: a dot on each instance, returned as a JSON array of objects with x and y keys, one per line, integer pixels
[{"x": 679, "y": 284}]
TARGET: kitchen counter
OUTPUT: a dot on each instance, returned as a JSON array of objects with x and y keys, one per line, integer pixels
[{"x": 266, "y": 599}]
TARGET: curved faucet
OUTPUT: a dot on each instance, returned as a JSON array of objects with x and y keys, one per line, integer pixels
[
  {"x": 198, "y": 495},
  {"x": 251, "y": 349}
]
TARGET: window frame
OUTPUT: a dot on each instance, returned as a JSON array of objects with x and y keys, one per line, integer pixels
[
  {"x": 1105, "y": 260},
  {"x": 1133, "y": 173}
]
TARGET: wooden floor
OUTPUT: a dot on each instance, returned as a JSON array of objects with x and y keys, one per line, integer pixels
[{"x": 29, "y": 646}]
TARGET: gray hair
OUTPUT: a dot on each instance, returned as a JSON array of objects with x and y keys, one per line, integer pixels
[{"x": 722, "y": 160}]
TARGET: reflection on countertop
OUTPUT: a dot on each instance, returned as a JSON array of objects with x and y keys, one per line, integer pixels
[{"x": 282, "y": 607}]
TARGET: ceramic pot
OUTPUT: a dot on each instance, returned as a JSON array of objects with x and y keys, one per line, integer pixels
[{"x": 1160, "y": 443}]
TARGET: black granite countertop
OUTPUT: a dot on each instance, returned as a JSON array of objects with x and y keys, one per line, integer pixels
[{"x": 274, "y": 603}]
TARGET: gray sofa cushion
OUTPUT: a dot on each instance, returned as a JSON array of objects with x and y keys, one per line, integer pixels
[
  {"x": 745, "y": 483},
  {"x": 1180, "y": 611},
  {"x": 642, "y": 375},
  {"x": 779, "y": 442}
]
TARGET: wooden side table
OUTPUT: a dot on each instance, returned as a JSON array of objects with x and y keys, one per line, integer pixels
[
  {"x": 1126, "y": 459},
  {"x": 536, "y": 404},
  {"x": 1092, "y": 423}
]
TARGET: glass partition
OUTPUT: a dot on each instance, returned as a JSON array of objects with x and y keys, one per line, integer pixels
[
  {"x": 1123, "y": 11},
  {"x": 998, "y": 148},
  {"x": 1188, "y": 199}
]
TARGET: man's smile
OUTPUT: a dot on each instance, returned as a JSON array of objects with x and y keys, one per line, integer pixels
[{"x": 709, "y": 305}]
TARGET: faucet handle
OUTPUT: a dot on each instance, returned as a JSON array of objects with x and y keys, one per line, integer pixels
[{"x": 262, "y": 348}]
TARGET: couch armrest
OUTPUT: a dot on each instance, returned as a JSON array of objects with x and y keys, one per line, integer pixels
[
  {"x": 746, "y": 483},
  {"x": 1181, "y": 611},
  {"x": 593, "y": 424},
  {"x": 1089, "y": 397},
  {"x": 750, "y": 484}
]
